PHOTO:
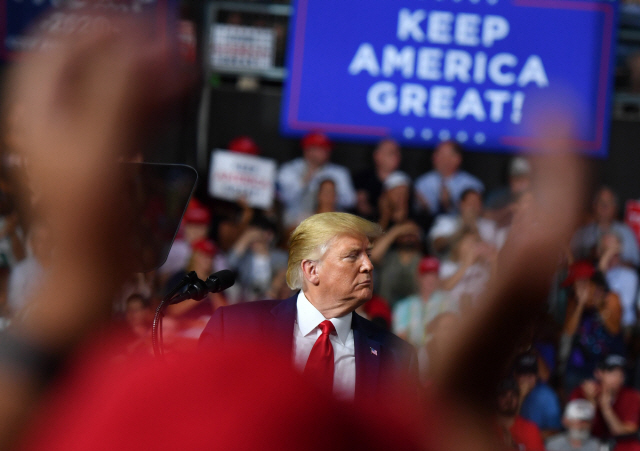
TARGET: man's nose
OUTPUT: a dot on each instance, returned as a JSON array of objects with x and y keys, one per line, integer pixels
[{"x": 367, "y": 266}]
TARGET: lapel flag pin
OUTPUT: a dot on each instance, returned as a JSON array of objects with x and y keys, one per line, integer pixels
[{"x": 374, "y": 351}]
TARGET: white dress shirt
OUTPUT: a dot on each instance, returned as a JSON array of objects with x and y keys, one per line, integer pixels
[{"x": 305, "y": 334}]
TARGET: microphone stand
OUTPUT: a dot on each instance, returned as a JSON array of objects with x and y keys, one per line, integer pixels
[
  {"x": 195, "y": 289},
  {"x": 156, "y": 327}
]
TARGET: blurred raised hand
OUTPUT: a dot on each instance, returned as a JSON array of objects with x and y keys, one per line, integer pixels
[
  {"x": 84, "y": 101},
  {"x": 88, "y": 101},
  {"x": 517, "y": 292}
]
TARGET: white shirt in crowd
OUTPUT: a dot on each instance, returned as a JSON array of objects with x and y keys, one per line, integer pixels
[
  {"x": 305, "y": 334},
  {"x": 292, "y": 190},
  {"x": 447, "y": 225},
  {"x": 471, "y": 286},
  {"x": 24, "y": 281},
  {"x": 623, "y": 281},
  {"x": 429, "y": 185}
]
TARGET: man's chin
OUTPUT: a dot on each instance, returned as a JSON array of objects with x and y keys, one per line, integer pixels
[
  {"x": 364, "y": 296},
  {"x": 359, "y": 298}
]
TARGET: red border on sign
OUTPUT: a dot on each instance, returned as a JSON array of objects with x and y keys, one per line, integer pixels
[{"x": 603, "y": 80}]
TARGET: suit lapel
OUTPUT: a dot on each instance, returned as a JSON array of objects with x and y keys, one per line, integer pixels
[
  {"x": 284, "y": 314},
  {"x": 368, "y": 352}
]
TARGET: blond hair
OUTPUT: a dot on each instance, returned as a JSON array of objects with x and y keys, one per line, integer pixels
[{"x": 311, "y": 239}]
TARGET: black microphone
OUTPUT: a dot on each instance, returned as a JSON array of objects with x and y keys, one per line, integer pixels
[
  {"x": 199, "y": 289},
  {"x": 220, "y": 281},
  {"x": 189, "y": 279}
]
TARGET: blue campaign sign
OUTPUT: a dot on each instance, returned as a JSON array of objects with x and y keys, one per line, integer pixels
[{"x": 483, "y": 72}]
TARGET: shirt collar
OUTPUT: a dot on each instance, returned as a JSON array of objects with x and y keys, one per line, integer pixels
[{"x": 309, "y": 318}]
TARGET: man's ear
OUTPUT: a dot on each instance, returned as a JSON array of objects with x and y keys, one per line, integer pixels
[{"x": 310, "y": 271}]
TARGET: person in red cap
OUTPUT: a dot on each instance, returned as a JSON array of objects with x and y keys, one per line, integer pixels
[
  {"x": 592, "y": 326},
  {"x": 377, "y": 311},
  {"x": 194, "y": 227},
  {"x": 244, "y": 144},
  {"x": 412, "y": 314},
  {"x": 300, "y": 178},
  {"x": 203, "y": 250}
]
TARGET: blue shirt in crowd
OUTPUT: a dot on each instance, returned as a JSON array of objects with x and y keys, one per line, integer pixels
[
  {"x": 429, "y": 185},
  {"x": 542, "y": 406}
]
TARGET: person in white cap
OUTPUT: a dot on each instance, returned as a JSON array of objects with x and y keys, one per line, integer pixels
[
  {"x": 394, "y": 203},
  {"x": 301, "y": 176},
  {"x": 577, "y": 419}
]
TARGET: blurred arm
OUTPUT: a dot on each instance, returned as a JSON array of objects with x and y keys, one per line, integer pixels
[{"x": 85, "y": 101}]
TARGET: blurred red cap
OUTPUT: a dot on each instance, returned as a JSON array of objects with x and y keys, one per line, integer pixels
[
  {"x": 197, "y": 213},
  {"x": 244, "y": 144},
  {"x": 205, "y": 246},
  {"x": 582, "y": 269},
  {"x": 378, "y": 307},
  {"x": 316, "y": 139},
  {"x": 428, "y": 264}
]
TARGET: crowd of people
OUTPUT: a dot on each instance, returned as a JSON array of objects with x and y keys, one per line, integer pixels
[
  {"x": 442, "y": 235},
  {"x": 461, "y": 274}
]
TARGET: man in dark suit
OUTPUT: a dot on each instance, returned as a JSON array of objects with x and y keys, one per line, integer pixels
[{"x": 330, "y": 343}]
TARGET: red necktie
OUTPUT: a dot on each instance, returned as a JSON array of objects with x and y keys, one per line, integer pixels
[{"x": 320, "y": 363}]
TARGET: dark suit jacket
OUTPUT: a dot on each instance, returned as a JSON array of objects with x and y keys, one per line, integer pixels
[{"x": 384, "y": 362}]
